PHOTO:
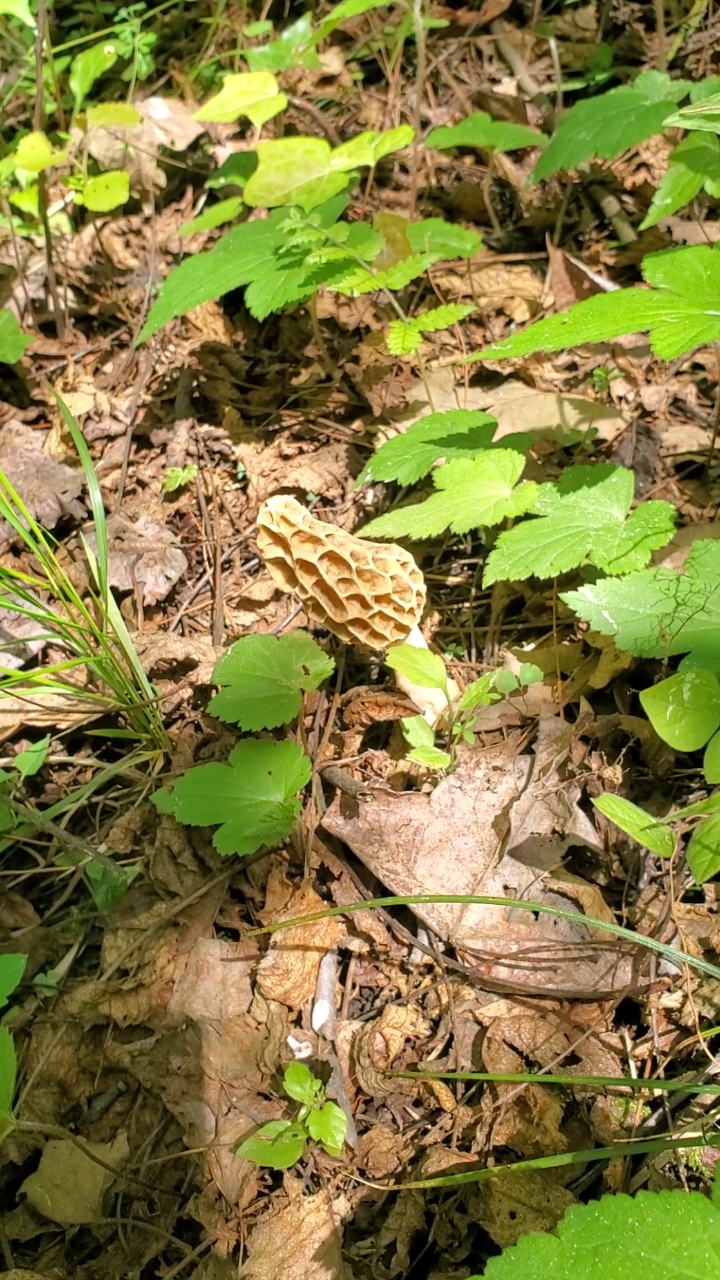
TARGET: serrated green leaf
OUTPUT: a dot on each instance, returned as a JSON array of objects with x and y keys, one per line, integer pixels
[
  {"x": 658, "y": 613},
  {"x": 481, "y": 131},
  {"x": 403, "y": 337},
  {"x": 479, "y": 694},
  {"x": 473, "y": 492},
  {"x": 88, "y": 67},
  {"x": 363, "y": 280},
  {"x": 107, "y": 191},
  {"x": 711, "y": 760},
  {"x": 417, "y": 732},
  {"x": 13, "y": 342},
  {"x": 638, "y": 824},
  {"x": 703, "y": 851},
  {"x": 264, "y": 678},
  {"x": 684, "y": 710},
  {"x": 607, "y": 125},
  {"x": 666, "y": 1235},
  {"x": 446, "y": 239},
  {"x": 454, "y": 433},
  {"x": 420, "y": 666},
  {"x": 300, "y": 1084},
  {"x": 12, "y": 968},
  {"x": 8, "y": 1075},
  {"x": 277, "y": 1145},
  {"x": 328, "y": 1126},
  {"x": 255, "y": 94},
  {"x": 252, "y": 797},
  {"x": 590, "y": 523},
  {"x": 695, "y": 160},
  {"x": 442, "y": 317},
  {"x": 703, "y": 115},
  {"x": 214, "y": 216}
]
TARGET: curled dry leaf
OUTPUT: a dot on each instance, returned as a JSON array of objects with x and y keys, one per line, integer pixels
[
  {"x": 366, "y": 593},
  {"x": 288, "y": 971},
  {"x": 49, "y": 489},
  {"x": 301, "y": 1242},
  {"x": 379, "y": 1043},
  {"x": 144, "y": 555}
]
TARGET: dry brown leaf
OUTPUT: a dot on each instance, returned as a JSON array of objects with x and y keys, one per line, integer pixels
[
  {"x": 382, "y": 1150},
  {"x": 508, "y": 1208},
  {"x": 215, "y": 985},
  {"x": 69, "y": 1186},
  {"x": 379, "y": 1043},
  {"x": 49, "y": 489},
  {"x": 513, "y": 288},
  {"x": 42, "y": 709},
  {"x": 143, "y": 555},
  {"x": 450, "y": 842},
  {"x": 301, "y": 1242},
  {"x": 288, "y": 971},
  {"x": 171, "y": 120}
]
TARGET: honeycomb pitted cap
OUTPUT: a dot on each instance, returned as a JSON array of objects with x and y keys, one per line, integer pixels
[{"x": 366, "y": 593}]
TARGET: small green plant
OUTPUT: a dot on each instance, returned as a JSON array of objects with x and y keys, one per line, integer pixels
[
  {"x": 177, "y": 477},
  {"x": 253, "y": 796},
  {"x": 12, "y": 968},
  {"x": 281, "y": 1143}
]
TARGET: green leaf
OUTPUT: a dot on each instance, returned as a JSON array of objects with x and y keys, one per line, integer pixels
[
  {"x": 590, "y": 524},
  {"x": 328, "y": 1126},
  {"x": 420, "y": 666},
  {"x": 481, "y": 131},
  {"x": 13, "y": 342},
  {"x": 108, "y": 888},
  {"x": 308, "y": 171},
  {"x": 35, "y": 152},
  {"x": 363, "y": 280},
  {"x": 668, "y": 1235},
  {"x": 300, "y": 1084},
  {"x": 107, "y": 191},
  {"x": 278, "y": 1145},
  {"x": 293, "y": 47},
  {"x": 430, "y": 757},
  {"x": 214, "y": 216},
  {"x": 341, "y": 13},
  {"x": 703, "y": 851},
  {"x": 505, "y": 682},
  {"x": 370, "y": 147},
  {"x": 32, "y": 759},
  {"x": 417, "y": 732},
  {"x": 711, "y": 760},
  {"x": 480, "y": 693},
  {"x": 12, "y": 968},
  {"x": 454, "y": 433},
  {"x": 607, "y": 125},
  {"x": 472, "y": 492},
  {"x": 703, "y": 114},
  {"x": 265, "y": 677},
  {"x": 255, "y": 94},
  {"x": 693, "y": 162},
  {"x": 684, "y": 710},
  {"x": 530, "y": 673},
  {"x": 8, "y": 1075},
  {"x": 638, "y": 824},
  {"x": 404, "y": 337},
  {"x": 253, "y": 796},
  {"x": 658, "y": 613},
  {"x": 446, "y": 239},
  {"x": 88, "y": 67},
  {"x": 19, "y": 9},
  {"x": 113, "y": 115},
  {"x": 233, "y": 172}
]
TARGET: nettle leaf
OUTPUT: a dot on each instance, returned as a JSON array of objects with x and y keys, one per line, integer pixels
[
  {"x": 454, "y": 433},
  {"x": 481, "y": 131},
  {"x": 607, "y": 125},
  {"x": 637, "y": 824},
  {"x": 617, "y": 1238},
  {"x": 658, "y": 613},
  {"x": 308, "y": 171},
  {"x": 703, "y": 851},
  {"x": 681, "y": 312},
  {"x": 446, "y": 239},
  {"x": 477, "y": 491},
  {"x": 12, "y": 968},
  {"x": 255, "y": 94},
  {"x": 582, "y": 518},
  {"x": 684, "y": 710},
  {"x": 13, "y": 341},
  {"x": 694, "y": 164},
  {"x": 214, "y": 216},
  {"x": 253, "y": 796},
  {"x": 404, "y": 337},
  {"x": 265, "y": 678}
]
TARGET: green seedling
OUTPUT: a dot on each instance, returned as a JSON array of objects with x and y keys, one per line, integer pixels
[
  {"x": 12, "y": 968},
  {"x": 281, "y": 1143}
]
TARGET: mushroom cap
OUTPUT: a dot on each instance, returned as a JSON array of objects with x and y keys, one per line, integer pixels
[{"x": 366, "y": 593}]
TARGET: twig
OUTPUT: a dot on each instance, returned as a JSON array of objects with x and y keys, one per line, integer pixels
[
  {"x": 38, "y": 122},
  {"x": 420, "y": 69}
]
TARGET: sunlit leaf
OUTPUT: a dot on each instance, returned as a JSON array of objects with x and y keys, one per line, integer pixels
[
  {"x": 481, "y": 131},
  {"x": 255, "y": 94},
  {"x": 13, "y": 341},
  {"x": 684, "y": 710},
  {"x": 264, "y": 678},
  {"x": 638, "y": 824}
]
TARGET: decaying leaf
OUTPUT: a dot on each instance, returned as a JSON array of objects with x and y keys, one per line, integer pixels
[
  {"x": 69, "y": 1186},
  {"x": 378, "y": 1045},
  {"x": 508, "y": 1208},
  {"x": 301, "y": 1242},
  {"x": 288, "y": 972},
  {"x": 49, "y": 489},
  {"x": 143, "y": 556}
]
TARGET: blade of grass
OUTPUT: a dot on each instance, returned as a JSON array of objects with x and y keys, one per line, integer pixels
[{"x": 539, "y": 1077}]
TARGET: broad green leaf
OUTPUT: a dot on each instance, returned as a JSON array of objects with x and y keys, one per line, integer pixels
[
  {"x": 529, "y": 674},
  {"x": 477, "y": 491},
  {"x": 711, "y": 760},
  {"x": 107, "y": 191},
  {"x": 368, "y": 148},
  {"x": 446, "y": 239},
  {"x": 88, "y": 67},
  {"x": 252, "y": 797},
  {"x": 8, "y": 1074},
  {"x": 420, "y": 666},
  {"x": 592, "y": 523},
  {"x": 308, "y": 171},
  {"x": 13, "y": 341},
  {"x": 214, "y": 216},
  {"x": 341, "y": 13},
  {"x": 481, "y": 131},
  {"x": 417, "y": 732},
  {"x": 300, "y": 1084},
  {"x": 265, "y": 677},
  {"x": 12, "y": 968},
  {"x": 693, "y": 162},
  {"x": 430, "y": 757},
  {"x": 34, "y": 153},
  {"x": 454, "y": 433},
  {"x": 703, "y": 851},
  {"x": 293, "y": 47},
  {"x": 684, "y": 710},
  {"x": 328, "y": 1126},
  {"x": 278, "y": 1145},
  {"x": 19, "y": 9},
  {"x": 404, "y": 337},
  {"x": 113, "y": 115},
  {"x": 505, "y": 682},
  {"x": 255, "y": 94},
  {"x": 479, "y": 694},
  {"x": 703, "y": 115},
  {"x": 32, "y": 759},
  {"x": 666, "y": 1235},
  {"x": 233, "y": 172},
  {"x": 638, "y": 824},
  {"x": 607, "y": 125},
  {"x": 108, "y": 888},
  {"x": 658, "y": 613}
]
